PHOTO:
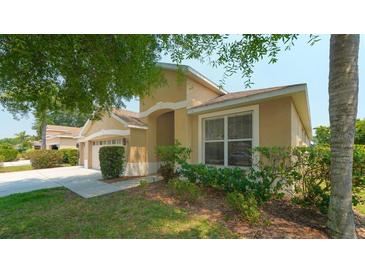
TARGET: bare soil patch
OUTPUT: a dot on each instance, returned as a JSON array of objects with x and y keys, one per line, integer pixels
[{"x": 282, "y": 219}]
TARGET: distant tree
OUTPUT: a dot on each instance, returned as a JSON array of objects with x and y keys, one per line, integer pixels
[
  {"x": 323, "y": 133},
  {"x": 88, "y": 74},
  {"x": 62, "y": 118},
  {"x": 360, "y": 132}
]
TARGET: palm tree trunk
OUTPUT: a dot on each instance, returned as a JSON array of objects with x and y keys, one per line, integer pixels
[{"x": 343, "y": 97}]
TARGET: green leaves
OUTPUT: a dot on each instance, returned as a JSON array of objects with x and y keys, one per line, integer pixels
[
  {"x": 236, "y": 53},
  {"x": 84, "y": 73}
]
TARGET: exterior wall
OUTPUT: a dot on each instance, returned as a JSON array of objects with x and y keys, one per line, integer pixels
[
  {"x": 298, "y": 135},
  {"x": 275, "y": 122},
  {"x": 137, "y": 146},
  {"x": 174, "y": 90},
  {"x": 183, "y": 127},
  {"x": 197, "y": 93},
  {"x": 68, "y": 143}
]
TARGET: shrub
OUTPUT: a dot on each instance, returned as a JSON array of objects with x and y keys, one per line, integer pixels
[
  {"x": 170, "y": 157},
  {"x": 184, "y": 190},
  {"x": 111, "y": 161},
  {"x": 2, "y": 159},
  {"x": 70, "y": 156},
  {"x": 8, "y": 152},
  {"x": 45, "y": 158},
  {"x": 260, "y": 183},
  {"x": 246, "y": 206},
  {"x": 307, "y": 171}
]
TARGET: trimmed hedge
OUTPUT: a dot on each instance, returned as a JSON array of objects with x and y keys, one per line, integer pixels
[
  {"x": 45, "y": 158},
  {"x": 111, "y": 161},
  {"x": 8, "y": 152},
  {"x": 70, "y": 156}
]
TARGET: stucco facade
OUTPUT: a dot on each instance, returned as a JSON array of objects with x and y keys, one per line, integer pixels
[{"x": 180, "y": 109}]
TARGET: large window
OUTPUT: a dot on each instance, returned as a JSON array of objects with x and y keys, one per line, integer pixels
[{"x": 228, "y": 140}]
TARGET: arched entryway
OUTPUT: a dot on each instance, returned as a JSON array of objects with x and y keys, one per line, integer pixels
[{"x": 165, "y": 129}]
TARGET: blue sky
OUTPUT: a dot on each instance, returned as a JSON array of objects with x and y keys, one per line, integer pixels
[{"x": 302, "y": 64}]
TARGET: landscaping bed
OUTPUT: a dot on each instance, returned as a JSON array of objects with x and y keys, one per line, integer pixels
[{"x": 283, "y": 218}]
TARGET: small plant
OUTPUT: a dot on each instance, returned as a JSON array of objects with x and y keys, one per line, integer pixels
[
  {"x": 143, "y": 184},
  {"x": 170, "y": 157},
  {"x": 184, "y": 190},
  {"x": 70, "y": 156},
  {"x": 2, "y": 158},
  {"x": 246, "y": 206},
  {"x": 111, "y": 161},
  {"x": 45, "y": 158}
]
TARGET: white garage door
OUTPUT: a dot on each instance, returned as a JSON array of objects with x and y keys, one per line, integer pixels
[{"x": 98, "y": 144}]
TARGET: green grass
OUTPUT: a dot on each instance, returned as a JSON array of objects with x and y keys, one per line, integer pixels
[
  {"x": 14, "y": 168},
  {"x": 58, "y": 213}
]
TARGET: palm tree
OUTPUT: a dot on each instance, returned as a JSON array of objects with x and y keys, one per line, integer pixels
[{"x": 343, "y": 97}]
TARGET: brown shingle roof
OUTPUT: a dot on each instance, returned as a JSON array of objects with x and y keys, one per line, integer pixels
[
  {"x": 243, "y": 94},
  {"x": 74, "y": 131},
  {"x": 129, "y": 117}
]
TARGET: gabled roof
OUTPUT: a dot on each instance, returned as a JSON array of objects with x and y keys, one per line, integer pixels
[
  {"x": 298, "y": 92},
  {"x": 129, "y": 117},
  {"x": 64, "y": 130}
]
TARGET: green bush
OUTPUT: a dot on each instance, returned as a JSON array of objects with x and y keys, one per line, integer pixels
[
  {"x": 70, "y": 156},
  {"x": 2, "y": 159},
  {"x": 307, "y": 171},
  {"x": 261, "y": 183},
  {"x": 111, "y": 161},
  {"x": 184, "y": 190},
  {"x": 246, "y": 206},
  {"x": 45, "y": 158},
  {"x": 8, "y": 152},
  {"x": 170, "y": 157}
]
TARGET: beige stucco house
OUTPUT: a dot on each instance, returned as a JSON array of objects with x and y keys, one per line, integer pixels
[
  {"x": 58, "y": 137},
  {"x": 219, "y": 127}
]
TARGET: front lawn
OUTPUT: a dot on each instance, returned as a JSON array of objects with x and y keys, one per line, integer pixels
[
  {"x": 151, "y": 212},
  {"x": 4, "y": 169},
  {"x": 58, "y": 213}
]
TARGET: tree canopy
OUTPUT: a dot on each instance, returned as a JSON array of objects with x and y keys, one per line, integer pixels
[{"x": 86, "y": 73}]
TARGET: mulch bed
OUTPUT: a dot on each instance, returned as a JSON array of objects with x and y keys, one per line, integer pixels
[
  {"x": 119, "y": 179},
  {"x": 283, "y": 220}
]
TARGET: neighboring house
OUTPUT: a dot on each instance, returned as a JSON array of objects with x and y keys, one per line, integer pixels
[
  {"x": 58, "y": 137},
  {"x": 219, "y": 127}
]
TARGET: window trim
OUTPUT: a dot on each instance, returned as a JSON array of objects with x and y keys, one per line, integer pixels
[{"x": 254, "y": 110}]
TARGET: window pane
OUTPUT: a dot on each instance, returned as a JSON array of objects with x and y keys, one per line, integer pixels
[
  {"x": 240, "y": 127},
  {"x": 214, "y": 153},
  {"x": 214, "y": 129},
  {"x": 239, "y": 153}
]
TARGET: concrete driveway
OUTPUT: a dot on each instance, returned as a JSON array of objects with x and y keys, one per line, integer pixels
[{"x": 84, "y": 182}]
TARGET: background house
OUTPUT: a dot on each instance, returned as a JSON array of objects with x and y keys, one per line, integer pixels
[{"x": 58, "y": 137}]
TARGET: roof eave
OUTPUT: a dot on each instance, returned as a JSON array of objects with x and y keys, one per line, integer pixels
[{"x": 194, "y": 73}]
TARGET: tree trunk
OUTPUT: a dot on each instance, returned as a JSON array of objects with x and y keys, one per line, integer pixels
[
  {"x": 343, "y": 96},
  {"x": 44, "y": 128}
]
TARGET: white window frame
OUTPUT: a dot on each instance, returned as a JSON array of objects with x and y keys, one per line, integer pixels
[{"x": 254, "y": 109}]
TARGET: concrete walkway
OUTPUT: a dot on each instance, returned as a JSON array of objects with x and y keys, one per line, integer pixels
[{"x": 84, "y": 182}]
